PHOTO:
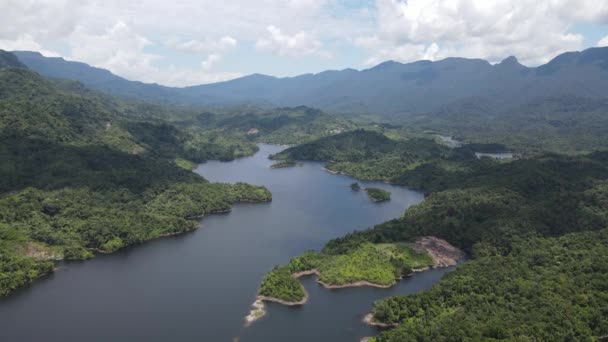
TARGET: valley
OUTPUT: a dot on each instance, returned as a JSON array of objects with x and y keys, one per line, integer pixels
[{"x": 461, "y": 200}]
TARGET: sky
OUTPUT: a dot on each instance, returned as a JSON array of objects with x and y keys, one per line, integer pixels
[{"x": 187, "y": 42}]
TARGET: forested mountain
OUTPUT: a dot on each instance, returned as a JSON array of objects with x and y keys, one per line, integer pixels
[
  {"x": 99, "y": 79},
  {"x": 84, "y": 173},
  {"x": 390, "y": 89}
]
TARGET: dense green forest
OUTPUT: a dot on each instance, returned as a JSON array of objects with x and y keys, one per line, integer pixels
[
  {"x": 565, "y": 124},
  {"x": 534, "y": 228},
  {"x": 379, "y": 264},
  {"x": 281, "y": 164},
  {"x": 545, "y": 289},
  {"x": 282, "y": 126},
  {"x": 367, "y": 154},
  {"x": 83, "y": 173},
  {"x": 378, "y": 195}
]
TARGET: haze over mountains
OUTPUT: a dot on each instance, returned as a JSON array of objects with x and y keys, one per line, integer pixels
[{"x": 388, "y": 89}]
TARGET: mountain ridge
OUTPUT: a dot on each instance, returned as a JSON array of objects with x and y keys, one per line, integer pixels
[{"x": 389, "y": 88}]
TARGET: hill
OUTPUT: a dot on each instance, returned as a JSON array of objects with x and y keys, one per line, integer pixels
[
  {"x": 82, "y": 173},
  {"x": 9, "y": 60},
  {"x": 535, "y": 231}
]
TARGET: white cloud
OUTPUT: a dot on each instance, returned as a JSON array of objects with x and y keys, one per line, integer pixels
[
  {"x": 123, "y": 51},
  {"x": 532, "y": 30},
  {"x": 208, "y": 63},
  {"x": 178, "y": 77},
  {"x": 603, "y": 42},
  {"x": 297, "y": 45},
  {"x": 25, "y": 42},
  {"x": 119, "y": 49},
  {"x": 36, "y": 18},
  {"x": 306, "y": 5},
  {"x": 197, "y": 46}
]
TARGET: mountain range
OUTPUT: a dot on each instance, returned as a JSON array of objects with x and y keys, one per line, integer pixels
[{"x": 388, "y": 89}]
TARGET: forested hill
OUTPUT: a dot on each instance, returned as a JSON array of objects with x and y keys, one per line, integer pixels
[
  {"x": 371, "y": 155},
  {"x": 284, "y": 126},
  {"x": 390, "y": 89},
  {"x": 535, "y": 230},
  {"x": 83, "y": 173},
  {"x": 9, "y": 60}
]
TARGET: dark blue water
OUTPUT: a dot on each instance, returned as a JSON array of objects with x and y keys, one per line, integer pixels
[{"x": 199, "y": 286}]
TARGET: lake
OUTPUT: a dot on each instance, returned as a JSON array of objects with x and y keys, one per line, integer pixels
[{"x": 200, "y": 285}]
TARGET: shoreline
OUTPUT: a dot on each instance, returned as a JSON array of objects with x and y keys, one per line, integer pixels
[
  {"x": 369, "y": 320},
  {"x": 190, "y": 218},
  {"x": 370, "y": 179},
  {"x": 359, "y": 283},
  {"x": 441, "y": 252}
]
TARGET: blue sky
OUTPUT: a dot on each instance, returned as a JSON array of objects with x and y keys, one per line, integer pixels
[{"x": 188, "y": 42}]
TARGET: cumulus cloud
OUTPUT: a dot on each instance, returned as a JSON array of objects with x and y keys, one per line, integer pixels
[
  {"x": 306, "y": 5},
  {"x": 297, "y": 45},
  {"x": 73, "y": 27},
  {"x": 123, "y": 51},
  {"x": 603, "y": 42},
  {"x": 197, "y": 46},
  {"x": 208, "y": 63},
  {"x": 178, "y": 77},
  {"x": 120, "y": 35},
  {"x": 533, "y": 30},
  {"x": 119, "y": 49},
  {"x": 25, "y": 42},
  {"x": 39, "y": 19}
]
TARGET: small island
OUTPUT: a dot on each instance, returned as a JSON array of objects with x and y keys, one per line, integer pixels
[
  {"x": 355, "y": 186},
  {"x": 352, "y": 265},
  {"x": 283, "y": 163},
  {"x": 378, "y": 195},
  {"x": 369, "y": 264}
]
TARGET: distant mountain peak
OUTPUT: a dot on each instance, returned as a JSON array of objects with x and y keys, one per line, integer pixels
[
  {"x": 385, "y": 65},
  {"x": 510, "y": 60}
]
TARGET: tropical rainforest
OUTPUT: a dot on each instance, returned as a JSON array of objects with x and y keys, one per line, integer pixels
[
  {"x": 82, "y": 173},
  {"x": 534, "y": 229},
  {"x": 378, "y": 264}
]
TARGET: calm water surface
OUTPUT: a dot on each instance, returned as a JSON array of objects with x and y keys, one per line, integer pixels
[{"x": 199, "y": 286}]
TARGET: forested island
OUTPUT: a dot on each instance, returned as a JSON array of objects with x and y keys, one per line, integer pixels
[
  {"x": 280, "y": 164},
  {"x": 378, "y": 195},
  {"x": 373, "y": 264}
]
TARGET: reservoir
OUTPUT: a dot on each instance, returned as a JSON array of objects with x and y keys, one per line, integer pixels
[{"x": 199, "y": 286}]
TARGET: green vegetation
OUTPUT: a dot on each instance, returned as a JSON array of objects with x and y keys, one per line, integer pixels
[
  {"x": 283, "y": 163},
  {"x": 9, "y": 60},
  {"x": 283, "y": 126},
  {"x": 355, "y": 186},
  {"x": 378, "y": 195},
  {"x": 371, "y": 155},
  {"x": 185, "y": 164},
  {"x": 280, "y": 284},
  {"x": 565, "y": 124},
  {"x": 545, "y": 289},
  {"x": 534, "y": 228},
  {"x": 83, "y": 173},
  {"x": 379, "y": 264}
]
